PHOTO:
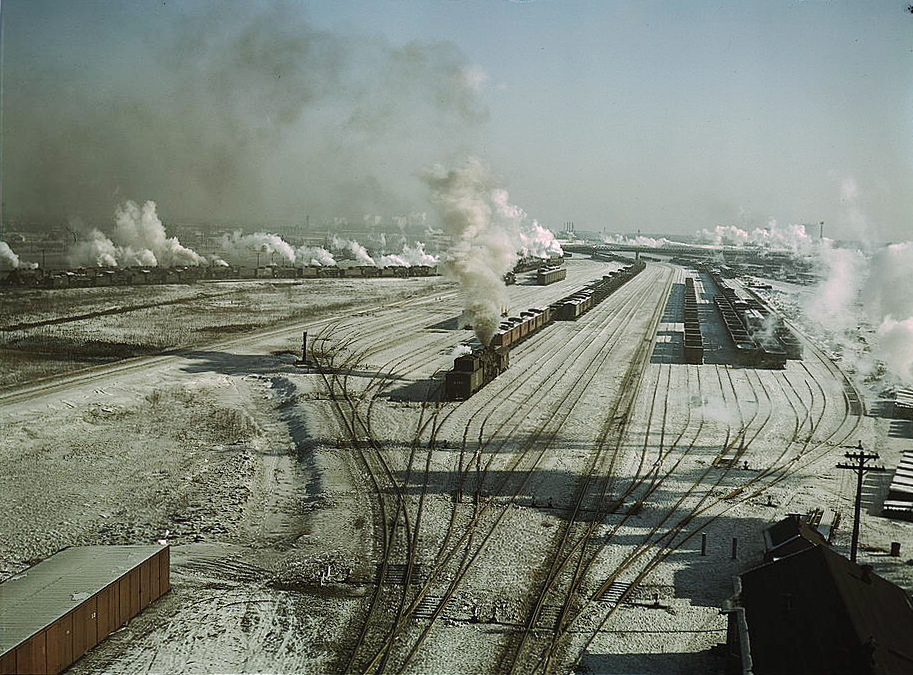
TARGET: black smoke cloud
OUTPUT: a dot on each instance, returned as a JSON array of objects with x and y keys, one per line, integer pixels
[{"x": 242, "y": 111}]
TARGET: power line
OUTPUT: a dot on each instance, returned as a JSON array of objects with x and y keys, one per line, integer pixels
[{"x": 860, "y": 458}]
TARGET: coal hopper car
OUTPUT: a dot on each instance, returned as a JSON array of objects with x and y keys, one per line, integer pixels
[{"x": 473, "y": 371}]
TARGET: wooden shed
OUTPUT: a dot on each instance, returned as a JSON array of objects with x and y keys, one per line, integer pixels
[{"x": 56, "y": 611}]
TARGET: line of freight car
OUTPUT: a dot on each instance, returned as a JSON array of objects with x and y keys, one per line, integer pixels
[
  {"x": 763, "y": 352},
  {"x": 148, "y": 276},
  {"x": 515, "y": 328},
  {"x": 473, "y": 371},
  {"x": 576, "y": 305},
  {"x": 694, "y": 342},
  {"x": 764, "y": 327},
  {"x": 753, "y": 348},
  {"x": 770, "y": 322}
]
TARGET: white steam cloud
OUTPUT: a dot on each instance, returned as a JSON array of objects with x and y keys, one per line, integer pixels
[
  {"x": 410, "y": 256},
  {"x": 488, "y": 233},
  {"x": 315, "y": 256},
  {"x": 273, "y": 249},
  {"x": 268, "y": 246},
  {"x": 887, "y": 295},
  {"x": 360, "y": 252},
  {"x": 139, "y": 239},
  {"x": 859, "y": 290},
  {"x": 639, "y": 240},
  {"x": 791, "y": 237},
  {"x": 8, "y": 258}
]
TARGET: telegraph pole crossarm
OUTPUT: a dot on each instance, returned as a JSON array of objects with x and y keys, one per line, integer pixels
[{"x": 859, "y": 459}]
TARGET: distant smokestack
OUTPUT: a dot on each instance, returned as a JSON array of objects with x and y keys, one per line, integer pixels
[{"x": 821, "y": 231}]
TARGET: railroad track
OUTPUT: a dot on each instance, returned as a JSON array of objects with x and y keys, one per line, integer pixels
[
  {"x": 471, "y": 555},
  {"x": 458, "y": 551},
  {"x": 419, "y": 599},
  {"x": 712, "y": 508}
]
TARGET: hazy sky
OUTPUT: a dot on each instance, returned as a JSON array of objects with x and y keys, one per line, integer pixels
[{"x": 660, "y": 116}]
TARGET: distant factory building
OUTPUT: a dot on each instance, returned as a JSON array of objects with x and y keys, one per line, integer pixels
[
  {"x": 54, "y": 612},
  {"x": 816, "y": 612}
]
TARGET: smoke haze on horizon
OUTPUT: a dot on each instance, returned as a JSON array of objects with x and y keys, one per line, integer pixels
[{"x": 610, "y": 117}]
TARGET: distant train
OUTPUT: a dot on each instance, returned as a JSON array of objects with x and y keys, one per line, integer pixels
[
  {"x": 145, "y": 276},
  {"x": 755, "y": 333},
  {"x": 473, "y": 371}
]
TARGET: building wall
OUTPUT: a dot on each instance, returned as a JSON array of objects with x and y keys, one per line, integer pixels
[{"x": 63, "y": 642}]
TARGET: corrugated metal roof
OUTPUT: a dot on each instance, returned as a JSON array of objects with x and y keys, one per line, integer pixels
[{"x": 44, "y": 593}]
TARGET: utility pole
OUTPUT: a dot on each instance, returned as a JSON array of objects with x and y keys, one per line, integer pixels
[{"x": 859, "y": 466}]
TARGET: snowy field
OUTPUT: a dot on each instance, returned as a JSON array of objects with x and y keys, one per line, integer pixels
[{"x": 339, "y": 517}]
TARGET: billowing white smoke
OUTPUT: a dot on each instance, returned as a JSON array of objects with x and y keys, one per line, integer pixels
[
  {"x": 792, "y": 237},
  {"x": 533, "y": 240},
  {"x": 486, "y": 231},
  {"x": 139, "y": 239},
  {"x": 409, "y": 257},
  {"x": 887, "y": 296},
  {"x": 833, "y": 303},
  {"x": 459, "y": 350},
  {"x": 96, "y": 251},
  {"x": 833, "y": 306},
  {"x": 860, "y": 287},
  {"x": 639, "y": 240},
  {"x": 314, "y": 256},
  {"x": 362, "y": 259},
  {"x": 8, "y": 258},
  {"x": 271, "y": 248},
  {"x": 262, "y": 243}
]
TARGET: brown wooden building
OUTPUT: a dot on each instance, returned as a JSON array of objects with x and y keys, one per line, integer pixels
[
  {"x": 54, "y": 612},
  {"x": 817, "y": 613}
]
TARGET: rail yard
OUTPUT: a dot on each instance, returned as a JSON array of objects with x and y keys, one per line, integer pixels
[{"x": 372, "y": 507}]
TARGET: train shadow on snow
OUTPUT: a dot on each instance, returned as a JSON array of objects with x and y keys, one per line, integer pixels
[
  {"x": 260, "y": 364},
  {"x": 550, "y": 490}
]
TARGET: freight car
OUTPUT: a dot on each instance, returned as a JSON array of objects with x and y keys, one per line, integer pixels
[
  {"x": 549, "y": 275},
  {"x": 574, "y": 306},
  {"x": 694, "y": 341},
  {"x": 473, "y": 371},
  {"x": 514, "y": 329}
]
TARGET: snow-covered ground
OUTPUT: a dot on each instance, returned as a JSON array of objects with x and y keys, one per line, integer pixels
[{"x": 245, "y": 465}]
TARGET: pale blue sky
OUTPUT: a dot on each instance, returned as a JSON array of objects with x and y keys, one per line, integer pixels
[{"x": 659, "y": 116}]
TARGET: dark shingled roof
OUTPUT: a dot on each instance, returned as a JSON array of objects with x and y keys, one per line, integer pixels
[
  {"x": 791, "y": 528},
  {"x": 817, "y": 612}
]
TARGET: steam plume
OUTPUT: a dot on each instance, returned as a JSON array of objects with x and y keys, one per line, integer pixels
[
  {"x": 888, "y": 299},
  {"x": 243, "y": 245},
  {"x": 791, "y": 237},
  {"x": 314, "y": 255},
  {"x": 410, "y": 256},
  {"x": 360, "y": 252},
  {"x": 639, "y": 240},
  {"x": 139, "y": 238},
  {"x": 488, "y": 233},
  {"x": 8, "y": 258}
]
